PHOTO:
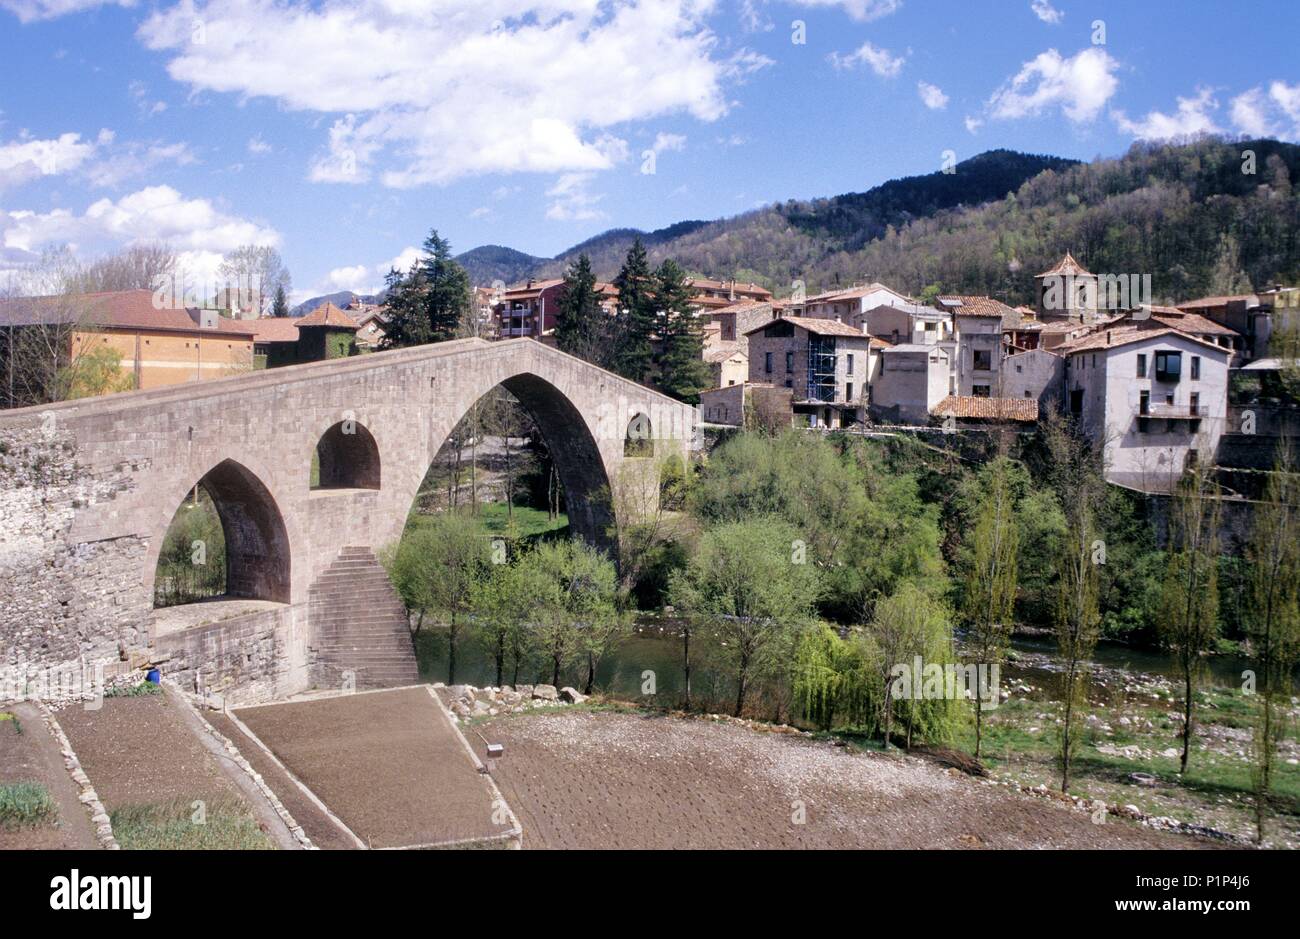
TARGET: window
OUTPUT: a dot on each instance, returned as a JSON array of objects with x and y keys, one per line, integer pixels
[
  {"x": 849, "y": 368},
  {"x": 1076, "y": 402},
  {"x": 983, "y": 359},
  {"x": 767, "y": 362},
  {"x": 1142, "y": 365},
  {"x": 980, "y": 391},
  {"x": 848, "y": 393},
  {"x": 1169, "y": 366},
  {"x": 1144, "y": 403},
  {"x": 789, "y": 361},
  {"x": 1193, "y": 402},
  {"x": 1196, "y": 367},
  {"x": 1019, "y": 368}
]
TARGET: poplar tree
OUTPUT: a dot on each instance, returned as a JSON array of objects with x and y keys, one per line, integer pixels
[
  {"x": 1080, "y": 488},
  {"x": 1189, "y": 601},
  {"x": 1273, "y": 624},
  {"x": 989, "y": 598},
  {"x": 682, "y": 372},
  {"x": 634, "y": 340}
]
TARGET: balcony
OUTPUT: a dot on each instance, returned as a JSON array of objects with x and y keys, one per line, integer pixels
[{"x": 1175, "y": 412}]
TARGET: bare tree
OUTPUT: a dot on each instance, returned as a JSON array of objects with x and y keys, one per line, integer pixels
[
  {"x": 256, "y": 268},
  {"x": 141, "y": 267}
]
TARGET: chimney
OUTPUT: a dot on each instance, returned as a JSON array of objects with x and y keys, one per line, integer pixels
[{"x": 1108, "y": 337}]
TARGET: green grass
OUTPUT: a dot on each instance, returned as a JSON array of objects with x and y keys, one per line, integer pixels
[
  {"x": 527, "y": 522},
  {"x": 11, "y": 718},
  {"x": 226, "y": 825},
  {"x": 26, "y": 805}
]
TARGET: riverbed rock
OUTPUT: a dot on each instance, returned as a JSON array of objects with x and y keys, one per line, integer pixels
[
  {"x": 572, "y": 695},
  {"x": 545, "y": 693}
]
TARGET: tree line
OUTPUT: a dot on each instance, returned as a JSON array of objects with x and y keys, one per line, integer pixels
[{"x": 810, "y": 568}]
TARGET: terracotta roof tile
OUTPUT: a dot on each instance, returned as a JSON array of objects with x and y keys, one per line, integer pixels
[
  {"x": 814, "y": 325},
  {"x": 1067, "y": 267},
  {"x": 122, "y": 309},
  {"x": 998, "y": 409},
  {"x": 327, "y": 315}
]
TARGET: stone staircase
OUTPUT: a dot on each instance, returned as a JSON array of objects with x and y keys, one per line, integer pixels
[{"x": 358, "y": 624}]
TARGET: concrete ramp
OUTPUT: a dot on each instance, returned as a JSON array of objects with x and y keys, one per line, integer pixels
[{"x": 390, "y": 766}]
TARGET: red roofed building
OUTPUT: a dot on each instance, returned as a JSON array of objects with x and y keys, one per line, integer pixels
[{"x": 156, "y": 345}]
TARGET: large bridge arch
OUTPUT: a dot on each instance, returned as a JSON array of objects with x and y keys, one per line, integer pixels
[{"x": 89, "y": 487}]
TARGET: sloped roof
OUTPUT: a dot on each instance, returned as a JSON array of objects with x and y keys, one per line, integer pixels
[
  {"x": 1127, "y": 334},
  {"x": 814, "y": 325},
  {"x": 998, "y": 409},
  {"x": 1205, "y": 302},
  {"x": 121, "y": 309},
  {"x": 977, "y": 306},
  {"x": 1067, "y": 267},
  {"x": 274, "y": 329},
  {"x": 327, "y": 315}
]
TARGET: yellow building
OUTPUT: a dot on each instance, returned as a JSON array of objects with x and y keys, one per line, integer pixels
[{"x": 157, "y": 346}]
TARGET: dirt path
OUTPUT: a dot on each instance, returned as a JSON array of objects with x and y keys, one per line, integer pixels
[
  {"x": 389, "y": 764},
  {"x": 581, "y": 779},
  {"x": 34, "y": 756}
]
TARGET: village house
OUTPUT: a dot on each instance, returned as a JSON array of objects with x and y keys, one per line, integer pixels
[
  {"x": 826, "y": 365},
  {"x": 156, "y": 346},
  {"x": 748, "y": 404},
  {"x": 715, "y": 294},
  {"x": 1153, "y": 398},
  {"x": 1069, "y": 292},
  {"x": 325, "y": 333},
  {"x": 728, "y": 360},
  {"x": 848, "y": 305},
  {"x": 530, "y": 309},
  {"x": 735, "y": 320},
  {"x": 909, "y": 383}
]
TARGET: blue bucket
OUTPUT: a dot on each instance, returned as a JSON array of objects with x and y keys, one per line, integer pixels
[{"x": 154, "y": 676}]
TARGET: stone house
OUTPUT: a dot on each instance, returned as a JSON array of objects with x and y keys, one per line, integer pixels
[
  {"x": 1154, "y": 398},
  {"x": 827, "y": 365},
  {"x": 909, "y": 383}
]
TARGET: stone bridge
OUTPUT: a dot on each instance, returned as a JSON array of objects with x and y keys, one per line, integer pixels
[{"x": 88, "y": 489}]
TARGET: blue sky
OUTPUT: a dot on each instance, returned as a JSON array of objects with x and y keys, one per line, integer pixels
[{"x": 342, "y": 131}]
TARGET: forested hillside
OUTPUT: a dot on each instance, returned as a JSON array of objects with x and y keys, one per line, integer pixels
[{"x": 1190, "y": 215}]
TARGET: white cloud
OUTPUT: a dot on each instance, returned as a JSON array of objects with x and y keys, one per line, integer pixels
[
  {"x": 1080, "y": 85},
  {"x": 1192, "y": 118},
  {"x": 973, "y": 123},
  {"x": 28, "y": 158},
  {"x": 932, "y": 95},
  {"x": 668, "y": 142},
  {"x": 404, "y": 261},
  {"x": 482, "y": 211},
  {"x": 29, "y": 11},
  {"x": 134, "y": 159},
  {"x": 357, "y": 279},
  {"x": 196, "y": 228},
  {"x": 881, "y": 61},
  {"x": 573, "y": 200},
  {"x": 861, "y": 10},
  {"x": 482, "y": 86},
  {"x": 257, "y": 146},
  {"x": 1257, "y": 113},
  {"x": 1044, "y": 10}
]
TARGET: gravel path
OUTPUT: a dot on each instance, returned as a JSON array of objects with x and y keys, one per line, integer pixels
[{"x": 581, "y": 779}]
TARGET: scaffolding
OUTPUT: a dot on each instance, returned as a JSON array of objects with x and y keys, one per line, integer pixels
[{"x": 821, "y": 368}]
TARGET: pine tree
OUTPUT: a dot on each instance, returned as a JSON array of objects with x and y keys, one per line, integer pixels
[
  {"x": 431, "y": 302},
  {"x": 280, "y": 306},
  {"x": 682, "y": 372},
  {"x": 580, "y": 327},
  {"x": 634, "y": 341},
  {"x": 448, "y": 299}
]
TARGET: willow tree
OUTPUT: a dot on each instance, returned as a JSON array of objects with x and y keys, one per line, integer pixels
[
  {"x": 906, "y": 626},
  {"x": 1273, "y": 623},
  {"x": 989, "y": 597},
  {"x": 835, "y": 677},
  {"x": 749, "y": 581},
  {"x": 1189, "y": 600}
]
